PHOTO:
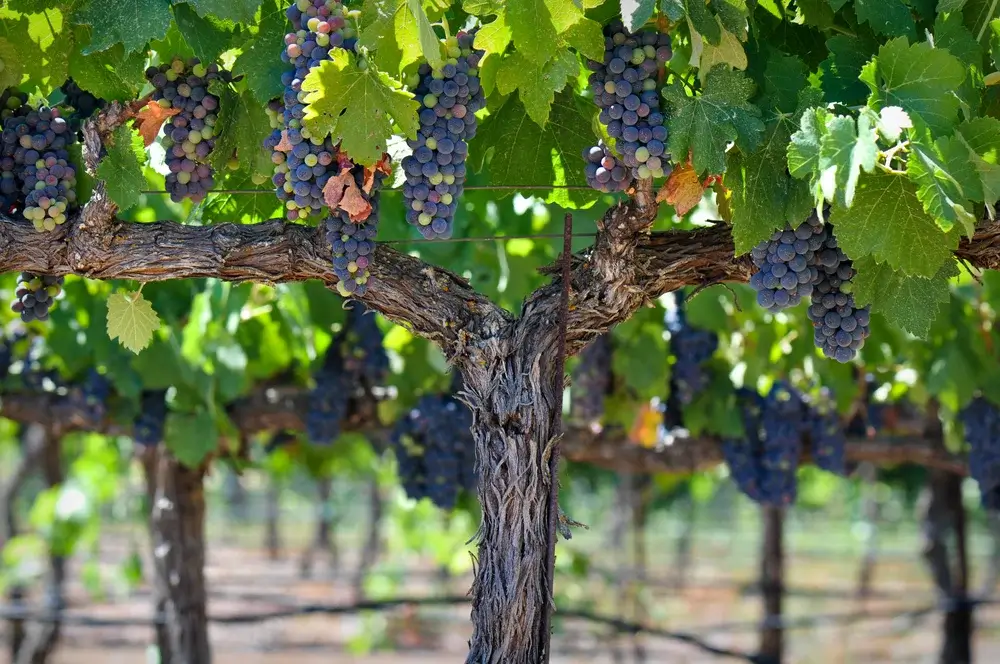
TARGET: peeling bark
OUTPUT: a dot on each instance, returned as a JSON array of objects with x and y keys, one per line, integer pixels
[{"x": 179, "y": 555}]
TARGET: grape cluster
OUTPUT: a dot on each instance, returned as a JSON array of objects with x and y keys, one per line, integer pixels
[
  {"x": 329, "y": 398},
  {"x": 304, "y": 163},
  {"x": 91, "y": 397},
  {"x": 981, "y": 420},
  {"x": 806, "y": 261},
  {"x": 35, "y": 173},
  {"x": 604, "y": 171},
  {"x": 840, "y": 327},
  {"x": 12, "y": 103},
  {"x": 625, "y": 88},
  {"x": 189, "y": 136},
  {"x": 353, "y": 243},
  {"x": 148, "y": 426},
  {"x": 827, "y": 436},
  {"x": 691, "y": 348},
  {"x": 592, "y": 380},
  {"x": 786, "y": 264},
  {"x": 365, "y": 355},
  {"x": 35, "y": 296},
  {"x": 435, "y": 172},
  {"x": 435, "y": 450},
  {"x": 82, "y": 102}
]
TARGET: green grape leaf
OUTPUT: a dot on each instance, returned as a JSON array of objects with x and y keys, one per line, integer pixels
[
  {"x": 257, "y": 63},
  {"x": 536, "y": 85},
  {"x": 944, "y": 6},
  {"x": 703, "y": 21},
  {"x": 109, "y": 74},
  {"x": 132, "y": 23},
  {"x": 981, "y": 136},
  {"x": 803, "y": 148},
  {"x": 587, "y": 37},
  {"x": 951, "y": 34},
  {"x": 906, "y": 301},
  {"x": 241, "y": 127},
  {"x": 237, "y": 11},
  {"x": 847, "y": 56},
  {"x": 888, "y": 222},
  {"x": 635, "y": 13},
  {"x": 430, "y": 45},
  {"x": 845, "y": 150},
  {"x": 354, "y": 106},
  {"x": 947, "y": 180},
  {"x": 121, "y": 167},
  {"x": 978, "y": 16},
  {"x": 11, "y": 68},
  {"x": 886, "y": 17},
  {"x": 43, "y": 36},
  {"x": 389, "y": 29},
  {"x": 784, "y": 79},
  {"x": 532, "y": 28},
  {"x": 919, "y": 79},
  {"x": 836, "y": 5},
  {"x": 705, "y": 125},
  {"x": 892, "y": 120},
  {"x": 242, "y": 208},
  {"x": 672, "y": 9},
  {"x": 191, "y": 437},
  {"x": 732, "y": 14},
  {"x": 494, "y": 37},
  {"x": 131, "y": 320},
  {"x": 206, "y": 36},
  {"x": 519, "y": 151},
  {"x": 729, "y": 52}
]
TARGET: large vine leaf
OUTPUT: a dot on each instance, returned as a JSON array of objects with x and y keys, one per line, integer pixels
[
  {"x": 920, "y": 79},
  {"x": 520, "y": 152},
  {"x": 636, "y": 12},
  {"x": 11, "y": 68},
  {"x": 982, "y": 138},
  {"x": 191, "y": 437},
  {"x": 841, "y": 69},
  {"x": 888, "y": 223},
  {"x": 536, "y": 85},
  {"x": 532, "y": 29},
  {"x": 132, "y": 23},
  {"x": 121, "y": 167},
  {"x": 258, "y": 62},
  {"x": 389, "y": 29},
  {"x": 355, "y": 105},
  {"x": 207, "y": 36},
  {"x": 131, "y": 320},
  {"x": 43, "y": 36},
  {"x": 705, "y": 125},
  {"x": 886, "y": 17},
  {"x": 237, "y": 11},
  {"x": 951, "y": 34},
  {"x": 947, "y": 180},
  {"x": 108, "y": 74},
  {"x": 844, "y": 150},
  {"x": 241, "y": 128},
  {"x": 907, "y": 301}
]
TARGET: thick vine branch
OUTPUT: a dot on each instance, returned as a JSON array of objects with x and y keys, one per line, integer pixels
[
  {"x": 272, "y": 408},
  {"x": 620, "y": 273}
]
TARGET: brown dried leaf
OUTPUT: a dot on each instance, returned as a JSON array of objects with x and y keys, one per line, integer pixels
[
  {"x": 150, "y": 118},
  {"x": 383, "y": 166},
  {"x": 342, "y": 193},
  {"x": 284, "y": 145},
  {"x": 682, "y": 189}
]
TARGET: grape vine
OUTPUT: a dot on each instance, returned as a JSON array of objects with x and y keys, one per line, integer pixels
[
  {"x": 592, "y": 381},
  {"x": 148, "y": 426},
  {"x": 691, "y": 348},
  {"x": 36, "y": 294},
  {"x": 82, "y": 102},
  {"x": 435, "y": 172}
]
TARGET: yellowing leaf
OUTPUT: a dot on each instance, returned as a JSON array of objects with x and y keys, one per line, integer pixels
[
  {"x": 683, "y": 189},
  {"x": 149, "y": 120},
  {"x": 131, "y": 320}
]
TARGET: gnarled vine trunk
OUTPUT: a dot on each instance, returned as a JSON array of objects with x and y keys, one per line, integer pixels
[
  {"x": 515, "y": 407},
  {"x": 179, "y": 555}
]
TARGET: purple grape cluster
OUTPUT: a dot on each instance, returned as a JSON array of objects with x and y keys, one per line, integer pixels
[
  {"x": 303, "y": 163},
  {"x": 353, "y": 242},
  {"x": 37, "y": 176},
  {"x": 764, "y": 464},
  {"x": 806, "y": 261},
  {"x": 329, "y": 398},
  {"x": 82, "y": 102},
  {"x": 604, "y": 171},
  {"x": 35, "y": 295},
  {"x": 435, "y": 172},
  {"x": 840, "y": 327},
  {"x": 365, "y": 355},
  {"x": 786, "y": 264},
  {"x": 625, "y": 88},
  {"x": 981, "y": 420},
  {"x": 691, "y": 348},
  {"x": 148, "y": 426},
  {"x": 91, "y": 397},
  {"x": 12, "y": 103},
  {"x": 592, "y": 381},
  {"x": 189, "y": 136},
  {"x": 435, "y": 450}
]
